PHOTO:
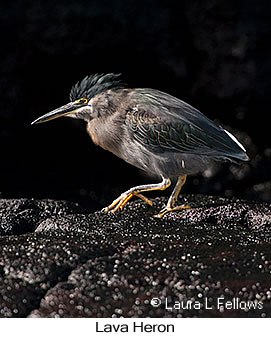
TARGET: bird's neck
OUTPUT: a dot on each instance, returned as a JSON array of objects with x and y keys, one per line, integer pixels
[
  {"x": 106, "y": 133},
  {"x": 106, "y": 129}
]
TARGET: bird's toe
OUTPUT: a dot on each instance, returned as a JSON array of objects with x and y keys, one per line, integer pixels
[{"x": 167, "y": 209}]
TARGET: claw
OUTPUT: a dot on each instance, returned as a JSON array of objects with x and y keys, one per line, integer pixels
[
  {"x": 166, "y": 210},
  {"x": 113, "y": 204},
  {"x": 120, "y": 202}
]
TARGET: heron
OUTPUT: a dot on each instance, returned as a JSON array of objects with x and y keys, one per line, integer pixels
[{"x": 150, "y": 129}]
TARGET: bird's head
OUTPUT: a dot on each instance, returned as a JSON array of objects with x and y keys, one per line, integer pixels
[{"x": 81, "y": 95}]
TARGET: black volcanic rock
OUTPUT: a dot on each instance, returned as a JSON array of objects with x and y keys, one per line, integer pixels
[
  {"x": 212, "y": 54},
  {"x": 23, "y": 215},
  {"x": 77, "y": 264}
]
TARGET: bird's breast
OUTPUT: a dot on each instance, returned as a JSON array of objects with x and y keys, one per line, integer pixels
[
  {"x": 105, "y": 134},
  {"x": 93, "y": 132}
]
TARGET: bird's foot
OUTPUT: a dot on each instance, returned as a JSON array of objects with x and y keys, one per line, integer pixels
[
  {"x": 120, "y": 202},
  {"x": 168, "y": 209}
]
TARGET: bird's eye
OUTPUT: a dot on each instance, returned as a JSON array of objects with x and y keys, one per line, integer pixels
[{"x": 83, "y": 100}]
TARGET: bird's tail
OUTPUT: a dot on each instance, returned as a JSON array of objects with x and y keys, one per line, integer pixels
[{"x": 230, "y": 149}]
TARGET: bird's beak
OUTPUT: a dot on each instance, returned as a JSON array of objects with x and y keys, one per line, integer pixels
[{"x": 62, "y": 111}]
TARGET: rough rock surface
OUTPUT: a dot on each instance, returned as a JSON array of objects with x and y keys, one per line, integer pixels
[{"x": 58, "y": 260}]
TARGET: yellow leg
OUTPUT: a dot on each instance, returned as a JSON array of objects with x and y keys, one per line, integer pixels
[
  {"x": 136, "y": 191},
  {"x": 173, "y": 198},
  {"x": 124, "y": 201}
]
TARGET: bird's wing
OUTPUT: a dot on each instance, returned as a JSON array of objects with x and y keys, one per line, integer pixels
[
  {"x": 164, "y": 123},
  {"x": 154, "y": 132}
]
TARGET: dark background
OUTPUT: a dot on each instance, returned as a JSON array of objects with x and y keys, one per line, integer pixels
[{"x": 213, "y": 54}]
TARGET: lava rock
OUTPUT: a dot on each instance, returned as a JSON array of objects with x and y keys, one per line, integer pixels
[
  {"x": 21, "y": 216},
  {"x": 212, "y": 260}
]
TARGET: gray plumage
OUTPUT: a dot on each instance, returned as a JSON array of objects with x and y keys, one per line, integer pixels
[{"x": 147, "y": 128}]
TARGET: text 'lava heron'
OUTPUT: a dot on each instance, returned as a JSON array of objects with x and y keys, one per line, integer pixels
[{"x": 149, "y": 129}]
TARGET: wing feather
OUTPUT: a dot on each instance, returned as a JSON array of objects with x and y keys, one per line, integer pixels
[{"x": 164, "y": 123}]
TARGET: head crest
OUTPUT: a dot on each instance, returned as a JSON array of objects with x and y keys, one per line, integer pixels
[{"x": 95, "y": 84}]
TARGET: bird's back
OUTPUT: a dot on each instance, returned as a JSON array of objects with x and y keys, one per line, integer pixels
[
  {"x": 173, "y": 124},
  {"x": 172, "y": 138}
]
